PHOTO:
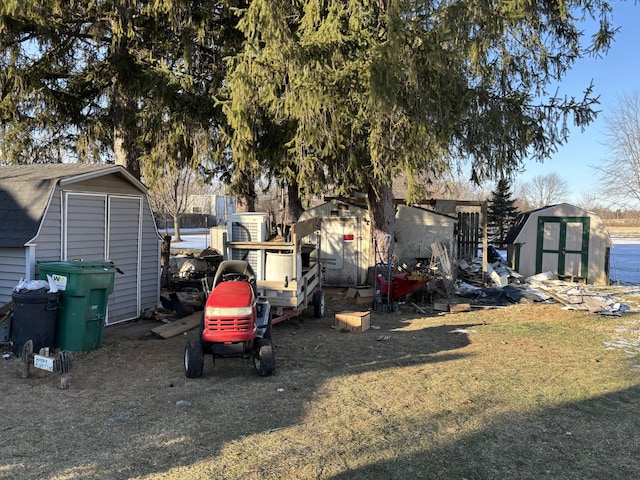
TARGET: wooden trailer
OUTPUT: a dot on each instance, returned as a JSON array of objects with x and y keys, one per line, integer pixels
[{"x": 292, "y": 273}]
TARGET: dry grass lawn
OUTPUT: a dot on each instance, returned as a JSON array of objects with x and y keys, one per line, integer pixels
[{"x": 529, "y": 391}]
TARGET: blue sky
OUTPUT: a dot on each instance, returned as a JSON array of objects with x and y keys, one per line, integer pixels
[{"x": 616, "y": 73}]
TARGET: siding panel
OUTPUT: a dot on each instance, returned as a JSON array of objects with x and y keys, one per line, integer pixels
[
  {"x": 13, "y": 269},
  {"x": 49, "y": 240},
  {"x": 86, "y": 227},
  {"x": 149, "y": 260},
  {"x": 124, "y": 226}
]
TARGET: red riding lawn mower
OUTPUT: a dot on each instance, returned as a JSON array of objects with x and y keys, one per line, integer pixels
[{"x": 235, "y": 322}]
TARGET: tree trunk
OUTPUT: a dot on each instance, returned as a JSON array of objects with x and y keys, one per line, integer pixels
[
  {"x": 293, "y": 209},
  {"x": 125, "y": 151},
  {"x": 123, "y": 101},
  {"x": 246, "y": 197},
  {"x": 176, "y": 229},
  {"x": 383, "y": 220}
]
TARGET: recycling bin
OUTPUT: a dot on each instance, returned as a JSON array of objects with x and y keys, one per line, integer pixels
[{"x": 84, "y": 288}]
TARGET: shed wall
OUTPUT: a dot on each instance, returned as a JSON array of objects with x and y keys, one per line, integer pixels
[
  {"x": 346, "y": 245},
  {"x": 111, "y": 184},
  {"x": 49, "y": 240},
  {"x": 149, "y": 258},
  {"x": 416, "y": 229},
  {"x": 13, "y": 261}
]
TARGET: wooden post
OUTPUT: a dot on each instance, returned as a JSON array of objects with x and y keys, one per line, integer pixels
[
  {"x": 165, "y": 257},
  {"x": 485, "y": 244}
]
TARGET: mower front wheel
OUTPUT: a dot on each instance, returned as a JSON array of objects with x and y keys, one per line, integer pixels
[
  {"x": 264, "y": 357},
  {"x": 193, "y": 359}
]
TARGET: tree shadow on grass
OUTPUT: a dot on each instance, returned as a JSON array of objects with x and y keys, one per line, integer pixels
[
  {"x": 131, "y": 412},
  {"x": 595, "y": 438}
]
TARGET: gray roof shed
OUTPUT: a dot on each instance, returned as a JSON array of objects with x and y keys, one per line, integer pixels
[{"x": 80, "y": 211}]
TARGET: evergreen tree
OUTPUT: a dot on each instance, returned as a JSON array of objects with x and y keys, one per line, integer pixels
[
  {"x": 501, "y": 213},
  {"x": 366, "y": 90},
  {"x": 123, "y": 80}
]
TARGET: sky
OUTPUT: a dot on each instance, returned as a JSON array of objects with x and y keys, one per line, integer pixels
[{"x": 615, "y": 74}]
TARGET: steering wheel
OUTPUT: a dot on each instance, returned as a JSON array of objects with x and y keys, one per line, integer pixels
[{"x": 238, "y": 277}]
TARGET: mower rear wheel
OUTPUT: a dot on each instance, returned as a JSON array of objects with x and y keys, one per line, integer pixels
[
  {"x": 193, "y": 359},
  {"x": 318, "y": 304},
  {"x": 264, "y": 357}
]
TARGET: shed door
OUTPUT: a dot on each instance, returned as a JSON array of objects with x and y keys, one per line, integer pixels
[
  {"x": 340, "y": 246},
  {"x": 123, "y": 249},
  {"x": 107, "y": 227},
  {"x": 563, "y": 245},
  {"x": 85, "y": 227}
]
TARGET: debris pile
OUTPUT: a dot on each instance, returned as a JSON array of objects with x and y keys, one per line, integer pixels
[
  {"x": 578, "y": 297},
  {"x": 501, "y": 296},
  {"x": 506, "y": 286},
  {"x": 498, "y": 273}
]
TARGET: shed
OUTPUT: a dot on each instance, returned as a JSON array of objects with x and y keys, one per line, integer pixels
[
  {"x": 417, "y": 229},
  {"x": 347, "y": 248},
  {"x": 346, "y": 242},
  {"x": 563, "y": 239},
  {"x": 79, "y": 211}
]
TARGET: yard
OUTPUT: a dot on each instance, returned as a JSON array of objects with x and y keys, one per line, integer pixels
[{"x": 528, "y": 391}]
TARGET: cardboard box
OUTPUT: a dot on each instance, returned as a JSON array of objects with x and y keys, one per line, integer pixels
[
  {"x": 352, "y": 321},
  {"x": 361, "y": 295}
]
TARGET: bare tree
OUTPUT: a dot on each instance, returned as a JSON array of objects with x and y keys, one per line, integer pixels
[
  {"x": 169, "y": 194},
  {"x": 545, "y": 190},
  {"x": 620, "y": 173},
  {"x": 451, "y": 185},
  {"x": 591, "y": 201}
]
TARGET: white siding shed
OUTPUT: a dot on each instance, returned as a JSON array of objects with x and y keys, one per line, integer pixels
[
  {"x": 417, "y": 229},
  {"x": 346, "y": 243},
  {"x": 563, "y": 239}
]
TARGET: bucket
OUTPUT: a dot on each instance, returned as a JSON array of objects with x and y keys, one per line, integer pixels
[{"x": 281, "y": 265}]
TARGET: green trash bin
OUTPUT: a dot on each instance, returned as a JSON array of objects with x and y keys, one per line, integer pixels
[{"x": 84, "y": 292}]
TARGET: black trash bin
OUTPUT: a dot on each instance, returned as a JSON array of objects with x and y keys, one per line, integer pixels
[{"x": 34, "y": 318}]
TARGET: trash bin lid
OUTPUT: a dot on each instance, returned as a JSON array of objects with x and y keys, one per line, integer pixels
[{"x": 77, "y": 266}]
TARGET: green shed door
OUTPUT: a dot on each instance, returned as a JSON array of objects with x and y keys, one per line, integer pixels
[{"x": 563, "y": 245}]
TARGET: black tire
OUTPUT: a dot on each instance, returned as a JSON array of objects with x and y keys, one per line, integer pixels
[
  {"x": 264, "y": 357},
  {"x": 318, "y": 304},
  {"x": 193, "y": 359}
]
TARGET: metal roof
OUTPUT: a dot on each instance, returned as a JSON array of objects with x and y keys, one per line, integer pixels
[{"x": 25, "y": 191}]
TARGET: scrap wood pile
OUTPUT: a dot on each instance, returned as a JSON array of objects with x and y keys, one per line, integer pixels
[
  {"x": 498, "y": 273},
  {"x": 578, "y": 297},
  {"x": 545, "y": 287}
]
